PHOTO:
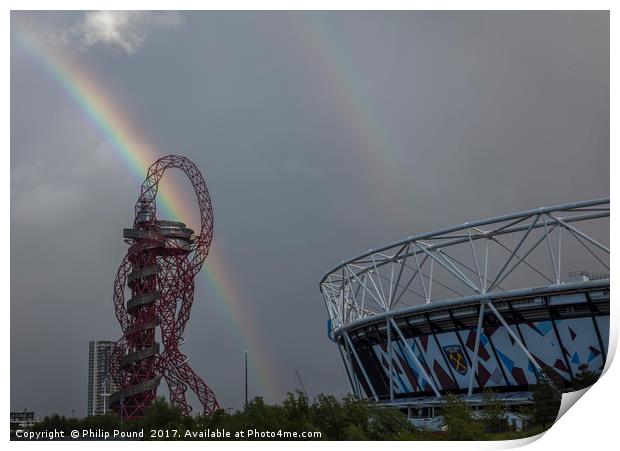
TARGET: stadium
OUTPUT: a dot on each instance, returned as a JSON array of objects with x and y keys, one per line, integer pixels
[{"x": 491, "y": 304}]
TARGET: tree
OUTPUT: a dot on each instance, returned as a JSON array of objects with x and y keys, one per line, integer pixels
[
  {"x": 58, "y": 422},
  {"x": 261, "y": 416},
  {"x": 386, "y": 423},
  {"x": 355, "y": 410},
  {"x": 328, "y": 414},
  {"x": 584, "y": 378},
  {"x": 349, "y": 418},
  {"x": 353, "y": 432},
  {"x": 161, "y": 415},
  {"x": 107, "y": 422},
  {"x": 494, "y": 413},
  {"x": 546, "y": 403},
  {"x": 296, "y": 410},
  {"x": 458, "y": 417}
]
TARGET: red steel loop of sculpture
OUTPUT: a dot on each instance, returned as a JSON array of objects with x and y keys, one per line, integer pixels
[{"x": 159, "y": 268}]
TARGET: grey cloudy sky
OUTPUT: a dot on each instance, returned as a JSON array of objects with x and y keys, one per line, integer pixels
[{"x": 320, "y": 135}]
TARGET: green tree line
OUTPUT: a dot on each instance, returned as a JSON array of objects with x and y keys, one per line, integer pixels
[{"x": 347, "y": 418}]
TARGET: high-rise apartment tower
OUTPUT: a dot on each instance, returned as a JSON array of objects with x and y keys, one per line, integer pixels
[{"x": 100, "y": 382}]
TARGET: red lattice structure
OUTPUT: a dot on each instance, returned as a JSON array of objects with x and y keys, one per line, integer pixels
[{"x": 159, "y": 268}]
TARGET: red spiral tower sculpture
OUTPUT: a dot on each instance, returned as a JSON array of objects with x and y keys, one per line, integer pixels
[{"x": 159, "y": 269}]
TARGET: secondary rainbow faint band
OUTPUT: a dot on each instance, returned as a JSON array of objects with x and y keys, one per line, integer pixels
[
  {"x": 322, "y": 51},
  {"x": 134, "y": 150}
]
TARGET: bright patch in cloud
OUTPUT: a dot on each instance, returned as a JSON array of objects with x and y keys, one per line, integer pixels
[{"x": 127, "y": 30}]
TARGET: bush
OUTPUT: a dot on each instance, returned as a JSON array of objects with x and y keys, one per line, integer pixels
[
  {"x": 546, "y": 403},
  {"x": 459, "y": 419},
  {"x": 348, "y": 418},
  {"x": 494, "y": 414},
  {"x": 584, "y": 378}
]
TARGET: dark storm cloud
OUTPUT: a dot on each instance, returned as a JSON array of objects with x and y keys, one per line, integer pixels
[{"x": 321, "y": 135}]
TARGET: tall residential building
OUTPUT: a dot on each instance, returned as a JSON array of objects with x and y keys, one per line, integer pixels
[{"x": 100, "y": 383}]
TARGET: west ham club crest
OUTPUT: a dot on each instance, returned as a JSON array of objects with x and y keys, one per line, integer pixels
[{"x": 456, "y": 358}]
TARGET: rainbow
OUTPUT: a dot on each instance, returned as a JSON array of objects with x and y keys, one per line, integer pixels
[
  {"x": 134, "y": 150},
  {"x": 328, "y": 62}
]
